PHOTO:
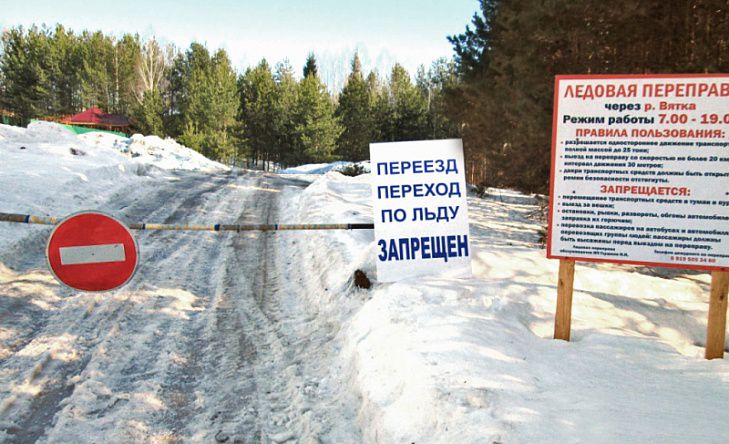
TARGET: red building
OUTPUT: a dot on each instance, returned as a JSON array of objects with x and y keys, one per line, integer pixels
[{"x": 96, "y": 118}]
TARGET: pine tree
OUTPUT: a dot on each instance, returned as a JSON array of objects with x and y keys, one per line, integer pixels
[
  {"x": 124, "y": 61},
  {"x": 26, "y": 73},
  {"x": 509, "y": 59},
  {"x": 472, "y": 47},
  {"x": 287, "y": 143},
  {"x": 355, "y": 114},
  {"x": 317, "y": 127},
  {"x": 193, "y": 98},
  {"x": 222, "y": 108},
  {"x": 174, "y": 95},
  {"x": 310, "y": 68},
  {"x": 408, "y": 107},
  {"x": 209, "y": 103},
  {"x": 382, "y": 110},
  {"x": 257, "y": 110},
  {"x": 441, "y": 78},
  {"x": 14, "y": 65},
  {"x": 97, "y": 84},
  {"x": 65, "y": 71},
  {"x": 148, "y": 114}
]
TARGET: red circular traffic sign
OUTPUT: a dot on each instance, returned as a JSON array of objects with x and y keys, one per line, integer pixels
[{"x": 91, "y": 251}]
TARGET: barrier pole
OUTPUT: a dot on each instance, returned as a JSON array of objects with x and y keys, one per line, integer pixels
[{"x": 48, "y": 220}]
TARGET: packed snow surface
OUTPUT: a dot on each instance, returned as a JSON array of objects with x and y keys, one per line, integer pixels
[{"x": 250, "y": 337}]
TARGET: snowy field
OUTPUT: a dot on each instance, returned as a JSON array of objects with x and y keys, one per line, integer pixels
[{"x": 224, "y": 337}]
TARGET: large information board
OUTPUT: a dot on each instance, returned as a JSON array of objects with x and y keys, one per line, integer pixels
[
  {"x": 420, "y": 209},
  {"x": 640, "y": 170}
]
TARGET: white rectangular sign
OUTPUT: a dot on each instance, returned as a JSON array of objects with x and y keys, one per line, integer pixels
[
  {"x": 92, "y": 254},
  {"x": 640, "y": 170},
  {"x": 421, "y": 212}
]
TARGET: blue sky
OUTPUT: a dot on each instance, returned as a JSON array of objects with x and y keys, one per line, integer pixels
[{"x": 411, "y": 32}]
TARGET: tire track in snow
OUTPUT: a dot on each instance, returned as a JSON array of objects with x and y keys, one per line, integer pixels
[
  {"x": 81, "y": 322},
  {"x": 263, "y": 383},
  {"x": 214, "y": 346},
  {"x": 203, "y": 345},
  {"x": 242, "y": 411},
  {"x": 210, "y": 390}
]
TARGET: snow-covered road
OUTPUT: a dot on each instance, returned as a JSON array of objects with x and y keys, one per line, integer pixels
[{"x": 208, "y": 342}]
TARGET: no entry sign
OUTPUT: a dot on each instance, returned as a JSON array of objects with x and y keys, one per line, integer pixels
[{"x": 92, "y": 252}]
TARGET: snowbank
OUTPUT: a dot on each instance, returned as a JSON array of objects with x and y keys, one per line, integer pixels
[
  {"x": 323, "y": 168},
  {"x": 472, "y": 360},
  {"x": 332, "y": 198},
  {"x": 152, "y": 150},
  {"x": 47, "y": 170}
]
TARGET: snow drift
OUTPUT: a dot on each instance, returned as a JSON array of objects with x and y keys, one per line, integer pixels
[
  {"x": 47, "y": 170},
  {"x": 472, "y": 360}
]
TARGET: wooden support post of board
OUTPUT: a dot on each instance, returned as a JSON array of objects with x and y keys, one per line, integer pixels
[
  {"x": 563, "y": 315},
  {"x": 716, "y": 325}
]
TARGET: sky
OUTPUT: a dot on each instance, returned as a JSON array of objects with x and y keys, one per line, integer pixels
[{"x": 409, "y": 32}]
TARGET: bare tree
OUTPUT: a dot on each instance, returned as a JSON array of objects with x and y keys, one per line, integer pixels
[{"x": 150, "y": 68}]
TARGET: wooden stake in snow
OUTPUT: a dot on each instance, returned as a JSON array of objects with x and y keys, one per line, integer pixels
[
  {"x": 563, "y": 315},
  {"x": 716, "y": 325}
]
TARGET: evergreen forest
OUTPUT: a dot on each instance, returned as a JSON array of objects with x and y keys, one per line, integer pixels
[{"x": 496, "y": 92}]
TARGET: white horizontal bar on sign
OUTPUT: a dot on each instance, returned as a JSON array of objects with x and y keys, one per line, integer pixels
[{"x": 92, "y": 254}]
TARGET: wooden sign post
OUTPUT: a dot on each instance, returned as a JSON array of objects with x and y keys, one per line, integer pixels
[
  {"x": 716, "y": 325},
  {"x": 565, "y": 284}
]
